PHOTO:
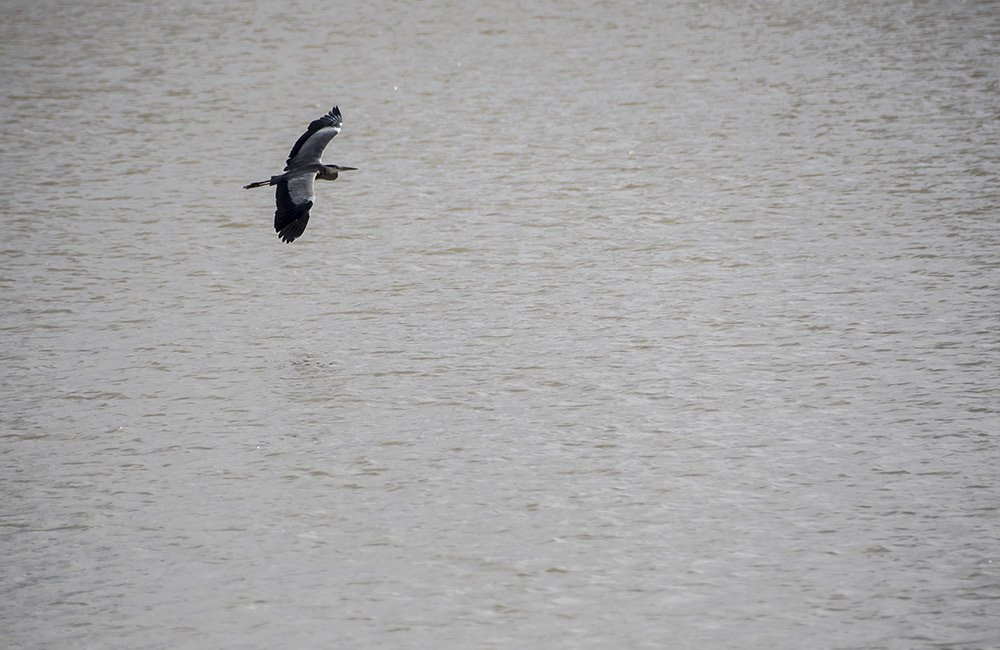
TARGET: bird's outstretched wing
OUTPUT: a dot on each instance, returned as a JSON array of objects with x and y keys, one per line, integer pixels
[
  {"x": 310, "y": 145},
  {"x": 293, "y": 198}
]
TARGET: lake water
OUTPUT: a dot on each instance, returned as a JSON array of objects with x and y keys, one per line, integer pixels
[{"x": 641, "y": 325}]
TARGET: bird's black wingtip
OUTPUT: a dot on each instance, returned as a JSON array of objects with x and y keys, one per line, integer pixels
[
  {"x": 289, "y": 235},
  {"x": 290, "y": 220}
]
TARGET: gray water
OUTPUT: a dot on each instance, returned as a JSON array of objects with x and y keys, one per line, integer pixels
[{"x": 641, "y": 325}]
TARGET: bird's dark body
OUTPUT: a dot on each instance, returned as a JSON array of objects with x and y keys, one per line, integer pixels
[{"x": 294, "y": 194}]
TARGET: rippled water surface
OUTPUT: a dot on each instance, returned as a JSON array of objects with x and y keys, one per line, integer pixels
[{"x": 641, "y": 325}]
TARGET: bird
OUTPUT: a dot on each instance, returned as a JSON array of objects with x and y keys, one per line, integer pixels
[{"x": 294, "y": 195}]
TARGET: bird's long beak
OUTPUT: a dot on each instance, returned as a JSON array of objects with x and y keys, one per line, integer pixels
[{"x": 348, "y": 169}]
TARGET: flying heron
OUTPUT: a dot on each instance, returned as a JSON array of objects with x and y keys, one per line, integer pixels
[{"x": 295, "y": 195}]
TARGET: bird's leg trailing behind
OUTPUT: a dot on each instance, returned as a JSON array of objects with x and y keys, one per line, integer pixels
[
  {"x": 272, "y": 181},
  {"x": 289, "y": 173},
  {"x": 317, "y": 170}
]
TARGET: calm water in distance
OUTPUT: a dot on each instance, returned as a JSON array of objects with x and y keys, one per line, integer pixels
[{"x": 641, "y": 325}]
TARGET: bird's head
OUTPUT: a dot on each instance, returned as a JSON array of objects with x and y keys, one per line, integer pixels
[{"x": 330, "y": 172}]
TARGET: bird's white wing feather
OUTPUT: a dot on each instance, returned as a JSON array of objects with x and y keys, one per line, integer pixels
[
  {"x": 311, "y": 150},
  {"x": 300, "y": 188}
]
